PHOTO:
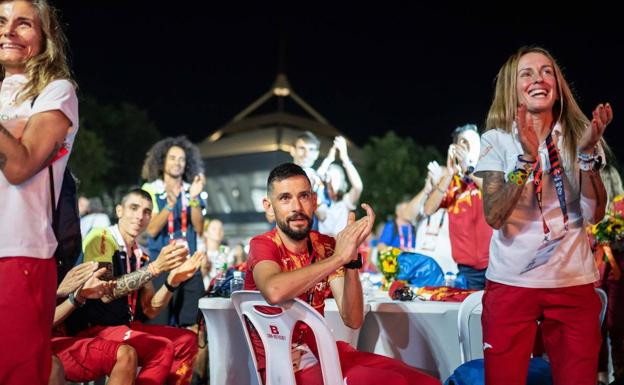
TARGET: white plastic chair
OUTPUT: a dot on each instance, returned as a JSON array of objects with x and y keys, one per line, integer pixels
[
  {"x": 472, "y": 305},
  {"x": 275, "y": 331}
]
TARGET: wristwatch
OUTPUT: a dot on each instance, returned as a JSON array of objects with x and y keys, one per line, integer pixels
[
  {"x": 354, "y": 264},
  {"x": 169, "y": 287}
]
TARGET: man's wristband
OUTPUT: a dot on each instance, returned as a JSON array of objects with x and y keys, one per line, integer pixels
[
  {"x": 170, "y": 208},
  {"x": 74, "y": 301},
  {"x": 169, "y": 287},
  {"x": 354, "y": 264},
  {"x": 194, "y": 202}
]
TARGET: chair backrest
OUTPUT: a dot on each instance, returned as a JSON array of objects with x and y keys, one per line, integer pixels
[
  {"x": 604, "y": 300},
  {"x": 275, "y": 331},
  {"x": 471, "y": 305}
]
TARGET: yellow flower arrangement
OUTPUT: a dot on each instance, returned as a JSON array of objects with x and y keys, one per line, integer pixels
[
  {"x": 608, "y": 233},
  {"x": 388, "y": 264}
]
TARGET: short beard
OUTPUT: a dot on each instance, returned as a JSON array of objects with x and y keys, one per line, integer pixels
[{"x": 296, "y": 235}]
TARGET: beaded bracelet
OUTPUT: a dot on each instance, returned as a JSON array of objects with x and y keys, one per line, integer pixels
[
  {"x": 589, "y": 162},
  {"x": 518, "y": 176}
]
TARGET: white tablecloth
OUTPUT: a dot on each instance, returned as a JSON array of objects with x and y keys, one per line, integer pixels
[
  {"x": 229, "y": 357},
  {"x": 423, "y": 334}
]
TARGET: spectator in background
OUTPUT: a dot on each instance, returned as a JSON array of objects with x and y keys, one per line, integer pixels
[
  {"x": 432, "y": 231},
  {"x": 173, "y": 170},
  {"x": 93, "y": 217},
  {"x": 399, "y": 232},
  {"x": 334, "y": 212},
  {"x": 215, "y": 250},
  {"x": 459, "y": 191},
  {"x": 39, "y": 112}
]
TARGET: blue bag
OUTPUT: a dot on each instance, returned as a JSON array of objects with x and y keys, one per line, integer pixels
[{"x": 419, "y": 270}]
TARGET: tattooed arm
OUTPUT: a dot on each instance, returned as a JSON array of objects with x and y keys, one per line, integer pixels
[
  {"x": 499, "y": 198},
  {"x": 43, "y": 136},
  {"x": 129, "y": 283}
]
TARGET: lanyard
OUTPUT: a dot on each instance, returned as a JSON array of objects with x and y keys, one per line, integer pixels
[
  {"x": 132, "y": 297},
  {"x": 429, "y": 231},
  {"x": 402, "y": 244},
  {"x": 137, "y": 253},
  {"x": 183, "y": 218},
  {"x": 556, "y": 170}
]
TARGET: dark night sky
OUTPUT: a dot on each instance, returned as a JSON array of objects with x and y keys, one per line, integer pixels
[{"x": 415, "y": 69}]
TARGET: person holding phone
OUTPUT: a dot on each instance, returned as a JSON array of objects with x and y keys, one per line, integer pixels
[
  {"x": 459, "y": 191},
  {"x": 173, "y": 169},
  {"x": 540, "y": 161}
]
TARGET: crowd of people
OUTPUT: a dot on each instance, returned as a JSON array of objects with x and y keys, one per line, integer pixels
[{"x": 509, "y": 212}]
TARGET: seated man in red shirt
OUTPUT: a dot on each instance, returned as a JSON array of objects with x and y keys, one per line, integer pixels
[{"x": 293, "y": 261}]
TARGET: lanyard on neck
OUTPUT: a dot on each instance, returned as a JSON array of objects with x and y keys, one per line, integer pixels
[
  {"x": 137, "y": 253},
  {"x": 183, "y": 219},
  {"x": 429, "y": 231},
  {"x": 556, "y": 170},
  {"x": 402, "y": 244}
]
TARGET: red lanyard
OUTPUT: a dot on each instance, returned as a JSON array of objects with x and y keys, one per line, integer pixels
[
  {"x": 132, "y": 297},
  {"x": 183, "y": 218},
  {"x": 402, "y": 244},
  {"x": 556, "y": 170}
]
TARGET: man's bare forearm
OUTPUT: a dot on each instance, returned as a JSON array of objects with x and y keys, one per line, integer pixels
[
  {"x": 499, "y": 198},
  {"x": 129, "y": 283}
]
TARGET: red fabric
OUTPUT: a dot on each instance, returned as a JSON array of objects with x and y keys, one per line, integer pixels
[
  {"x": 365, "y": 368},
  {"x": 85, "y": 359},
  {"x": 469, "y": 232},
  {"x": 27, "y": 301},
  {"x": 569, "y": 326},
  {"x": 164, "y": 353}
]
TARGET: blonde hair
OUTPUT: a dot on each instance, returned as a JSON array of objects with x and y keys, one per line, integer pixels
[
  {"x": 612, "y": 182},
  {"x": 51, "y": 62},
  {"x": 566, "y": 111}
]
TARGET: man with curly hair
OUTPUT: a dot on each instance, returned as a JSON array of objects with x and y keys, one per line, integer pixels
[{"x": 173, "y": 171}]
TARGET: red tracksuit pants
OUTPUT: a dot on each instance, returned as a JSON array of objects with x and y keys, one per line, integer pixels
[
  {"x": 363, "y": 368},
  {"x": 26, "y": 313},
  {"x": 570, "y": 330},
  {"x": 165, "y": 354}
]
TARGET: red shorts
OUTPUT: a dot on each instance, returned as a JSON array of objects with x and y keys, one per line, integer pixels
[
  {"x": 85, "y": 359},
  {"x": 569, "y": 322},
  {"x": 27, "y": 300}
]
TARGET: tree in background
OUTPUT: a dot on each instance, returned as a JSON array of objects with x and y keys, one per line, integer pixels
[
  {"x": 394, "y": 168},
  {"x": 110, "y": 145}
]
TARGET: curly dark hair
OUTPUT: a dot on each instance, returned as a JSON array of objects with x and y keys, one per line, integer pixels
[{"x": 154, "y": 164}]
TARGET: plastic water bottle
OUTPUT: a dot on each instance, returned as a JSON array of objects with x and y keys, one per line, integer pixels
[
  {"x": 449, "y": 279},
  {"x": 237, "y": 281}
]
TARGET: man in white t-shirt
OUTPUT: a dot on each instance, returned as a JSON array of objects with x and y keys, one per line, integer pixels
[
  {"x": 38, "y": 123},
  {"x": 333, "y": 213}
]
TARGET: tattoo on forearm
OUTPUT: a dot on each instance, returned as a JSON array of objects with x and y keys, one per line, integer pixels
[
  {"x": 128, "y": 283},
  {"x": 499, "y": 198}
]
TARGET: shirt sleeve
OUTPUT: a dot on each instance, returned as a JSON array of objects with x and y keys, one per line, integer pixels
[
  {"x": 262, "y": 249},
  {"x": 386, "y": 234},
  {"x": 59, "y": 95},
  {"x": 490, "y": 158},
  {"x": 149, "y": 188},
  {"x": 99, "y": 246}
]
